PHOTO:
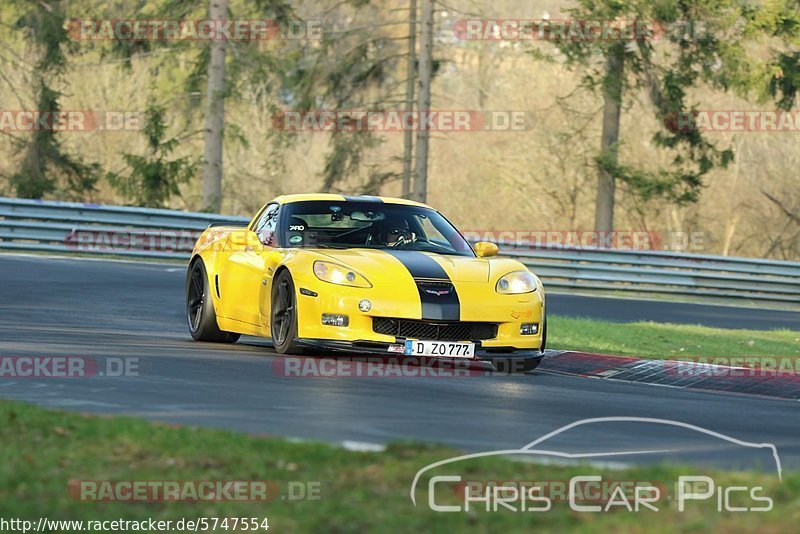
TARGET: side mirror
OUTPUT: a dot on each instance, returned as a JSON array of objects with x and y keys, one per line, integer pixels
[{"x": 484, "y": 249}]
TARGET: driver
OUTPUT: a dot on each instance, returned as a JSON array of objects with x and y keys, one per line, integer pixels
[{"x": 397, "y": 233}]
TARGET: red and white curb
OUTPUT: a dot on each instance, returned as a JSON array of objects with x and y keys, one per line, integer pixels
[{"x": 766, "y": 382}]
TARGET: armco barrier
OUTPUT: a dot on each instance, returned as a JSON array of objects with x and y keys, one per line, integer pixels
[
  {"x": 33, "y": 225},
  {"x": 663, "y": 272}
]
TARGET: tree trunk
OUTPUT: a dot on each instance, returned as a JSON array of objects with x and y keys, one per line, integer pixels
[
  {"x": 612, "y": 103},
  {"x": 411, "y": 73},
  {"x": 730, "y": 232},
  {"x": 215, "y": 115},
  {"x": 424, "y": 102}
]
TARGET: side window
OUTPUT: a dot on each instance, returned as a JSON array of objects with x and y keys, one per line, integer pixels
[{"x": 266, "y": 225}]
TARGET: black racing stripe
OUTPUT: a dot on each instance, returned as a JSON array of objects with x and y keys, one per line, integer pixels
[
  {"x": 364, "y": 198},
  {"x": 435, "y": 307}
]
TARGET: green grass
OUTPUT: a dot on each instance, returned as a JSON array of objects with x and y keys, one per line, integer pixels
[
  {"x": 43, "y": 450},
  {"x": 669, "y": 341}
]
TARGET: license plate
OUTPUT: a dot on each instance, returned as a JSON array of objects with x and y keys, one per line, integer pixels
[{"x": 442, "y": 349}]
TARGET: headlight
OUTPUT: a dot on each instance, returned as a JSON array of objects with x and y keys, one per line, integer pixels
[
  {"x": 516, "y": 283},
  {"x": 338, "y": 274}
]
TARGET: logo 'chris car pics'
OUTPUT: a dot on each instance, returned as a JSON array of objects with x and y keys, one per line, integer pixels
[{"x": 449, "y": 489}]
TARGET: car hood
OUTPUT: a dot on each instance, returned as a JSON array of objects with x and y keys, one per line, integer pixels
[{"x": 402, "y": 263}]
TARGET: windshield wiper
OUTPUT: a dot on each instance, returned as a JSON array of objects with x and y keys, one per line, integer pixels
[{"x": 329, "y": 245}]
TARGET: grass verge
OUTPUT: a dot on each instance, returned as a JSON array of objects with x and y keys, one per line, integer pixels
[
  {"x": 44, "y": 450},
  {"x": 670, "y": 341}
]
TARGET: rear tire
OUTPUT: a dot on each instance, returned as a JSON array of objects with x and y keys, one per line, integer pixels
[
  {"x": 200, "y": 307},
  {"x": 283, "y": 315}
]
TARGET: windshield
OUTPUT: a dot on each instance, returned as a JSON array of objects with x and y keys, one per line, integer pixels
[{"x": 353, "y": 224}]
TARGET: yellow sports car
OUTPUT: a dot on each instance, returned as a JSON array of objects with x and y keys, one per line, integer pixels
[{"x": 364, "y": 275}]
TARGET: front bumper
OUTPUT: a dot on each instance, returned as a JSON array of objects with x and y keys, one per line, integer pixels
[
  {"x": 497, "y": 356},
  {"x": 479, "y": 303}
]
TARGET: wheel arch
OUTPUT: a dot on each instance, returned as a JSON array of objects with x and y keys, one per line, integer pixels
[{"x": 282, "y": 267}]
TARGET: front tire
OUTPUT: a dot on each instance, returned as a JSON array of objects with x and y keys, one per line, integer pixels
[
  {"x": 544, "y": 335},
  {"x": 283, "y": 315},
  {"x": 200, "y": 307}
]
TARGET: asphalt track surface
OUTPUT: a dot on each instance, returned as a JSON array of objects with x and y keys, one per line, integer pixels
[{"x": 108, "y": 309}]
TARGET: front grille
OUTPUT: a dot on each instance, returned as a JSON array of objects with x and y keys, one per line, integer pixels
[
  {"x": 435, "y": 331},
  {"x": 435, "y": 286}
]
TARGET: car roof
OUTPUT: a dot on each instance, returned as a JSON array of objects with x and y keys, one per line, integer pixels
[{"x": 287, "y": 199}]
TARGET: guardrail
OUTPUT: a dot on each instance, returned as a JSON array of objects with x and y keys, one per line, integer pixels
[
  {"x": 663, "y": 272},
  {"x": 36, "y": 225},
  {"x": 65, "y": 227}
]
